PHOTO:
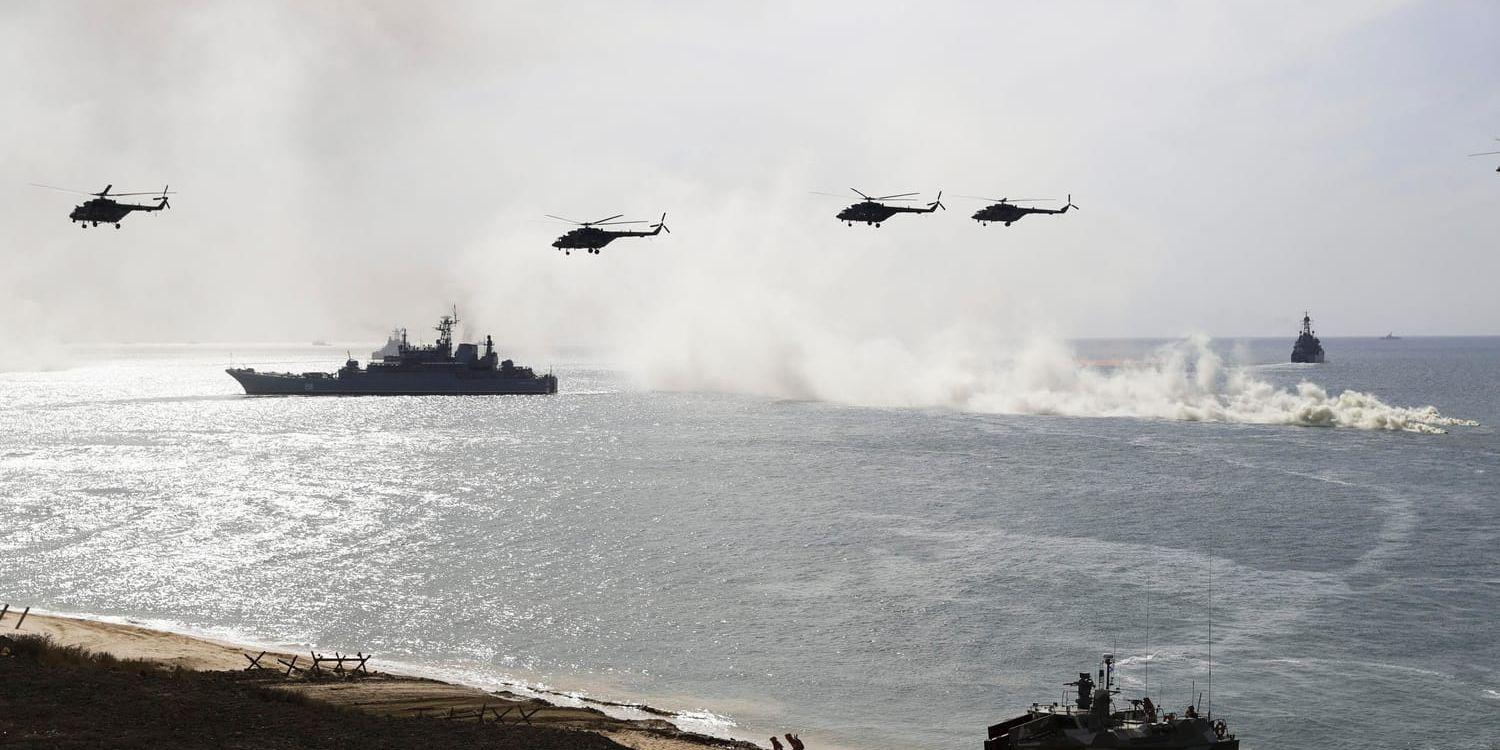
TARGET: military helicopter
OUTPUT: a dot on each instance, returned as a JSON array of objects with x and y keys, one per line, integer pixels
[
  {"x": 588, "y": 236},
  {"x": 1007, "y": 211},
  {"x": 1488, "y": 153},
  {"x": 103, "y": 209},
  {"x": 872, "y": 211}
]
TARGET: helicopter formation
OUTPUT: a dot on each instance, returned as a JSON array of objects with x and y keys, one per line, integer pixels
[
  {"x": 104, "y": 209},
  {"x": 592, "y": 236},
  {"x": 872, "y": 211}
]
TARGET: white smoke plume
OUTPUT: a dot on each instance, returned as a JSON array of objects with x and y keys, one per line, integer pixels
[{"x": 1184, "y": 380}]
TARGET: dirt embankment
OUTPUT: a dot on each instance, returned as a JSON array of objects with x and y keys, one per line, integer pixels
[{"x": 101, "y": 684}]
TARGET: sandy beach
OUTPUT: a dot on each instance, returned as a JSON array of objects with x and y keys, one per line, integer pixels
[{"x": 381, "y": 693}]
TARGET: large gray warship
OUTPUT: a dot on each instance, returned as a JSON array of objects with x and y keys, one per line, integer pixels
[
  {"x": 434, "y": 370},
  {"x": 1092, "y": 723},
  {"x": 1307, "y": 349}
]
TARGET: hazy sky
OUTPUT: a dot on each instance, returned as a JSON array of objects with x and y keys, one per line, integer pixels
[{"x": 345, "y": 167}]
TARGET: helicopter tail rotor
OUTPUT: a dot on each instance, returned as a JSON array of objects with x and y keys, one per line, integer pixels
[
  {"x": 661, "y": 226},
  {"x": 1069, "y": 203},
  {"x": 162, "y": 202},
  {"x": 937, "y": 204}
]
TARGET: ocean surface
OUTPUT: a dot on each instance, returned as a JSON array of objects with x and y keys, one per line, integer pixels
[{"x": 870, "y": 577}]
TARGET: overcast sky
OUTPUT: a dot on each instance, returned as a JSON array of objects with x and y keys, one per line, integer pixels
[{"x": 346, "y": 167}]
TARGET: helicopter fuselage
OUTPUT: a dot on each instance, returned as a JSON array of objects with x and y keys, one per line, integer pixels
[
  {"x": 1009, "y": 212},
  {"x": 593, "y": 239},
  {"x": 106, "y": 211},
  {"x": 871, "y": 212}
]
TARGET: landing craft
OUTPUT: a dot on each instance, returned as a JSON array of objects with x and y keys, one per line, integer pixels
[
  {"x": 1007, "y": 211},
  {"x": 103, "y": 209},
  {"x": 588, "y": 236},
  {"x": 1093, "y": 720},
  {"x": 872, "y": 211}
]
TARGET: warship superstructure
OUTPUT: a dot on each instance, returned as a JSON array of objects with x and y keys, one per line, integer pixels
[
  {"x": 1307, "y": 349},
  {"x": 393, "y": 344},
  {"x": 1093, "y": 723},
  {"x": 440, "y": 369}
]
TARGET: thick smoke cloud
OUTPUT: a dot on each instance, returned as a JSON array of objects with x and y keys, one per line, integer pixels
[{"x": 345, "y": 167}]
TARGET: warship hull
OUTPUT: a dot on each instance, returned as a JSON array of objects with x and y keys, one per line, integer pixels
[
  {"x": 418, "y": 383},
  {"x": 1308, "y": 349}
]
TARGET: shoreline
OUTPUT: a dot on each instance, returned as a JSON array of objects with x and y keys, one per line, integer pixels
[{"x": 402, "y": 690}]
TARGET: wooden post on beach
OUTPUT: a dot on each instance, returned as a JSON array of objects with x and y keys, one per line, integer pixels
[
  {"x": 254, "y": 662},
  {"x": 23, "y": 618},
  {"x": 3, "y": 610}
]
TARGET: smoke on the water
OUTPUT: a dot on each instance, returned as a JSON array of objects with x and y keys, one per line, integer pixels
[{"x": 1184, "y": 380}]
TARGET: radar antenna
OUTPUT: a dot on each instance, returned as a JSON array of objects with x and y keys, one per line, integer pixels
[{"x": 445, "y": 330}]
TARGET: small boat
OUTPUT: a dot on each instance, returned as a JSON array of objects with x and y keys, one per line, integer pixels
[{"x": 1390, "y": 337}]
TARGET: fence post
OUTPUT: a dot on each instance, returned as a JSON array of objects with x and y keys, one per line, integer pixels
[{"x": 23, "y": 618}]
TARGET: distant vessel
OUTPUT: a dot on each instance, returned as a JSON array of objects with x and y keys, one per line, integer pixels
[
  {"x": 439, "y": 369},
  {"x": 1091, "y": 723},
  {"x": 319, "y": 342},
  {"x": 1307, "y": 348},
  {"x": 393, "y": 344},
  {"x": 1390, "y": 337}
]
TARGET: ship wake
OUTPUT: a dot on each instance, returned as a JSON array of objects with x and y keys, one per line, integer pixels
[{"x": 1185, "y": 380}]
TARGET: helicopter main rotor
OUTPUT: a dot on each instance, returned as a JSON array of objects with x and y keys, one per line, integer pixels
[
  {"x": 605, "y": 222},
  {"x": 103, "y": 193}
]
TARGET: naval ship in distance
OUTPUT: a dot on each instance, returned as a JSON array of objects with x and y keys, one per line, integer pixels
[
  {"x": 1307, "y": 349},
  {"x": 437, "y": 370}
]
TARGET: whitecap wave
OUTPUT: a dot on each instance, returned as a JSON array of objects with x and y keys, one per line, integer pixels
[{"x": 1184, "y": 380}]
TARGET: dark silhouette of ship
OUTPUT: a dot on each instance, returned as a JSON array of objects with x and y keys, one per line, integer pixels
[
  {"x": 440, "y": 369},
  {"x": 1308, "y": 348},
  {"x": 1093, "y": 723}
]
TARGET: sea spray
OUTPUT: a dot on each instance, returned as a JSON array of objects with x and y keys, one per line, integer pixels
[{"x": 1183, "y": 380}]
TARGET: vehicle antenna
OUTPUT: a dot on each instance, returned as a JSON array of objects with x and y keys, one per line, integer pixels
[
  {"x": 1148, "y": 637},
  {"x": 1210, "y": 629}
]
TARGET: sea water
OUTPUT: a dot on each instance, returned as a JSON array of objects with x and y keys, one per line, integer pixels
[{"x": 871, "y": 577}]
